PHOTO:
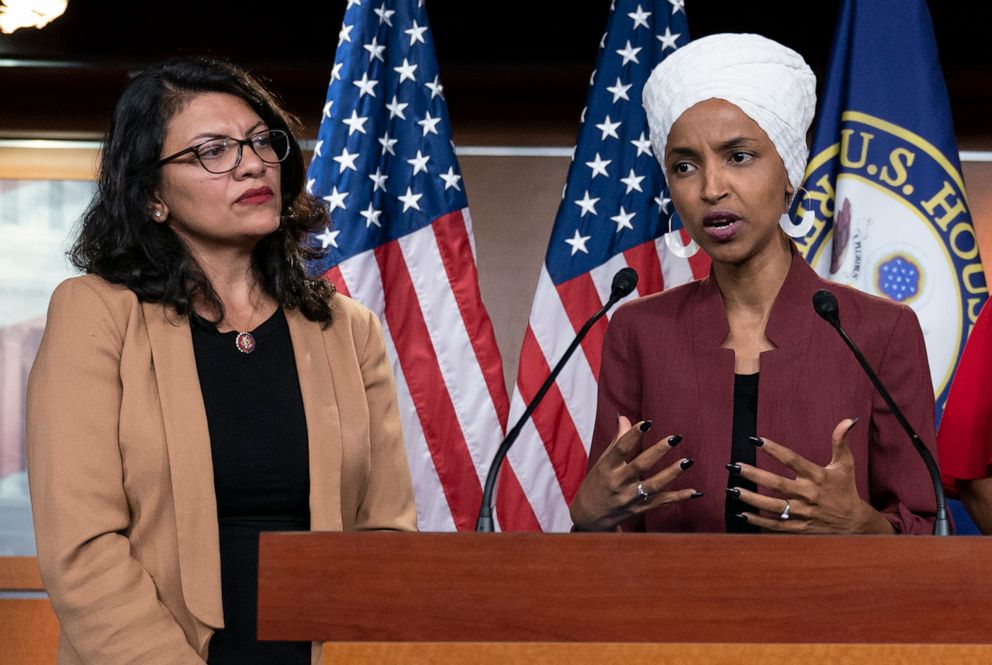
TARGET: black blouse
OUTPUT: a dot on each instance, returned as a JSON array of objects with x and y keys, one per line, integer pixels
[
  {"x": 258, "y": 441},
  {"x": 741, "y": 448}
]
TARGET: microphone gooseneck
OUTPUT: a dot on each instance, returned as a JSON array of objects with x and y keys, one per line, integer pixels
[
  {"x": 623, "y": 285},
  {"x": 825, "y": 304}
]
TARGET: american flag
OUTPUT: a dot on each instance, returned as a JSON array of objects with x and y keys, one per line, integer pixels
[
  {"x": 400, "y": 241},
  {"x": 614, "y": 213}
]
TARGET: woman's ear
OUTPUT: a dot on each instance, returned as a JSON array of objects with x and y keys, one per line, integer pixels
[{"x": 158, "y": 210}]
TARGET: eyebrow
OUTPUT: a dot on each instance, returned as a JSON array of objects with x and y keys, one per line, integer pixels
[
  {"x": 735, "y": 143},
  {"x": 213, "y": 135},
  {"x": 681, "y": 152}
]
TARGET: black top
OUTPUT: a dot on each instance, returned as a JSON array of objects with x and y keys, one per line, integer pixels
[
  {"x": 741, "y": 449},
  {"x": 258, "y": 442}
]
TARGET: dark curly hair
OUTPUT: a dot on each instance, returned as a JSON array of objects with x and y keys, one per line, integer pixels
[{"x": 118, "y": 239}]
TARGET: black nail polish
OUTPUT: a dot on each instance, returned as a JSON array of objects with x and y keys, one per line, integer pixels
[
  {"x": 734, "y": 492},
  {"x": 646, "y": 425},
  {"x": 741, "y": 516},
  {"x": 686, "y": 463},
  {"x": 695, "y": 495},
  {"x": 674, "y": 440},
  {"x": 854, "y": 421},
  {"x": 734, "y": 468},
  {"x": 756, "y": 440}
]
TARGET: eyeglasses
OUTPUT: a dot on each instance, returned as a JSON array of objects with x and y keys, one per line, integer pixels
[{"x": 223, "y": 154}]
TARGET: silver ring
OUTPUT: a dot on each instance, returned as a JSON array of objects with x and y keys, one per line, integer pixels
[
  {"x": 785, "y": 513},
  {"x": 641, "y": 493}
]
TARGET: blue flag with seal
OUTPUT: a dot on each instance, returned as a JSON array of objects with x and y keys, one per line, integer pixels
[{"x": 885, "y": 181}]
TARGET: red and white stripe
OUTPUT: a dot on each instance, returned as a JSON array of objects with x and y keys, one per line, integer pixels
[
  {"x": 548, "y": 461},
  {"x": 453, "y": 403}
]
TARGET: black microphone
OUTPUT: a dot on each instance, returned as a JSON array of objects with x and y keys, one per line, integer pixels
[
  {"x": 623, "y": 284},
  {"x": 825, "y": 304}
]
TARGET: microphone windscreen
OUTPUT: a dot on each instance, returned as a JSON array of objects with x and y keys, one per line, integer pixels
[
  {"x": 825, "y": 304},
  {"x": 623, "y": 283}
]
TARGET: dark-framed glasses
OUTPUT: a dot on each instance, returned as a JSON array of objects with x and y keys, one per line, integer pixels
[{"x": 223, "y": 154}]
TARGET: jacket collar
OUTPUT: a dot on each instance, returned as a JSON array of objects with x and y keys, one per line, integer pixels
[
  {"x": 792, "y": 317},
  {"x": 789, "y": 323}
]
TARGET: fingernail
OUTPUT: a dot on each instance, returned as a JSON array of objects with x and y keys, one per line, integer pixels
[
  {"x": 741, "y": 516},
  {"x": 734, "y": 492},
  {"x": 695, "y": 495},
  {"x": 734, "y": 468},
  {"x": 618, "y": 416},
  {"x": 854, "y": 421},
  {"x": 756, "y": 440},
  {"x": 674, "y": 440},
  {"x": 686, "y": 463},
  {"x": 646, "y": 425}
]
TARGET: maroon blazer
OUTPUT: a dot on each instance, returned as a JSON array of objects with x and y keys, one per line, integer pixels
[{"x": 662, "y": 361}]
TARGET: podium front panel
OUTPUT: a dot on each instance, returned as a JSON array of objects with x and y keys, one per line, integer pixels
[{"x": 622, "y": 588}]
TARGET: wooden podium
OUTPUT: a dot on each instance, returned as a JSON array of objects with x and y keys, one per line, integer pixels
[{"x": 636, "y": 597}]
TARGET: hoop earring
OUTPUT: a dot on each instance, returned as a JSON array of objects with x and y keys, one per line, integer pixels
[
  {"x": 799, "y": 230},
  {"x": 674, "y": 241}
]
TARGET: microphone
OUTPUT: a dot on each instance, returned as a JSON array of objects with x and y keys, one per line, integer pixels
[
  {"x": 623, "y": 284},
  {"x": 825, "y": 304}
]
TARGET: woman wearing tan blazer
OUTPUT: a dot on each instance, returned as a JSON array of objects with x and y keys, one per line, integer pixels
[{"x": 196, "y": 388}]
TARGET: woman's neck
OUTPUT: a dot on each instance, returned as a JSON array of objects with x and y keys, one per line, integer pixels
[
  {"x": 749, "y": 292},
  {"x": 234, "y": 282},
  {"x": 753, "y": 286}
]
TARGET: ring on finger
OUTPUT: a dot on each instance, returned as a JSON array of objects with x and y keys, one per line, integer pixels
[
  {"x": 642, "y": 493},
  {"x": 788, "y": 509}
]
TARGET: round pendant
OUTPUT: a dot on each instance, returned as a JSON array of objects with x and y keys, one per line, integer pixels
[{"x": 245, "y": 342}]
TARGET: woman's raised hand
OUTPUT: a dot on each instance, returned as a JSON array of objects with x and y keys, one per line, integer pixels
[
  {"x": 820, "y": 499},
  {"x": 616, "y": 487}
]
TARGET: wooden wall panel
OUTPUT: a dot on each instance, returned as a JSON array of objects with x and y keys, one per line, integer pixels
[
  {"x": 29, "y": 632},
  {"x": 19, "y": 573}
]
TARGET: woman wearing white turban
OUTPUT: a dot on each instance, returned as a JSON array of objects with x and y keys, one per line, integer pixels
[{"x": 812, "y": 448}]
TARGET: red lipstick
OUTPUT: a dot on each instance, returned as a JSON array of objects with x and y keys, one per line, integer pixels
[{"x": 256, "y": 196}]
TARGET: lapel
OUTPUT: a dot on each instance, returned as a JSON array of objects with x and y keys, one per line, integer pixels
[
  {"x": 714, "y": 364},
  {"x": 791, "y": 320},
  {"x": 190, "y": 464},
  {"x": 790, "y": 328},
  {"x": 320, "y": 404}
]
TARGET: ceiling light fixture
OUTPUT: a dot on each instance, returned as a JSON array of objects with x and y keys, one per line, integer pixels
[{"x": 15, "y": 14}]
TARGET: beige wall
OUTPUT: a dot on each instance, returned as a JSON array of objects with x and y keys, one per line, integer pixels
[
  {"x": 513, "y": 202},
  {"x": 978, "y": 182}
]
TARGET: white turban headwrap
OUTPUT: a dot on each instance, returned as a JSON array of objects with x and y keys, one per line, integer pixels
[{"x": 770, "y": 83}]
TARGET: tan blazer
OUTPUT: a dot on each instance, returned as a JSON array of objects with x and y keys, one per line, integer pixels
[{"x": 121, "y": 475}]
